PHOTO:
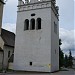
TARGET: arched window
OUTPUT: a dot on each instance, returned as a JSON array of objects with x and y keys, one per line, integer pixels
[
  {"x": 32, "y": 24},
  {"x": 26, "y": 24},
  {"x": 38, "y": 25}
]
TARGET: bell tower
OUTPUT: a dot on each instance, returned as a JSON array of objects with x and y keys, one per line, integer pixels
[{"x": 37, "y": 36}]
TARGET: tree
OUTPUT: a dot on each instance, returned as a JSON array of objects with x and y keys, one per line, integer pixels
[
  {"x": 60, "y": 43},
  {"x": 61, "y": 55},
  {"x": 66, "y": 61},
  {"x": 70, "y": 63}
]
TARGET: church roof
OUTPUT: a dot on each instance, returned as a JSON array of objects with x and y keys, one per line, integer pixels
[{"x": 8, "y": 37}]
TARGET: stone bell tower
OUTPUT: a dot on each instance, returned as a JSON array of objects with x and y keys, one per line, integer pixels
[{"x": 37, "y": 36}]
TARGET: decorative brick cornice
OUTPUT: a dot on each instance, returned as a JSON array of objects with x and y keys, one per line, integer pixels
[
  {"x": 39, "y": 5},
  {"x": 34, "y": 6}
]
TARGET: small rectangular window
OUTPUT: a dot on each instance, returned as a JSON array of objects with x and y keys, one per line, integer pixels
[
  {"x": 33, "y": 14},
  {"x": 55, "y": 27},
  {"x": 30, "y": 63}
]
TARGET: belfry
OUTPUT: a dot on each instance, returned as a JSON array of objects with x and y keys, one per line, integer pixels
[{"x": 37, "y": 36}]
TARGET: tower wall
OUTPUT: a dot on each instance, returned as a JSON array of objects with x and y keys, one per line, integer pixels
[
  {"x": 33, "y": 45},
  {"x": 54, "y": 43}
]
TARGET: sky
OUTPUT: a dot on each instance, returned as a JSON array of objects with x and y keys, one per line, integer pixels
[{"x": 66, "y": 22}]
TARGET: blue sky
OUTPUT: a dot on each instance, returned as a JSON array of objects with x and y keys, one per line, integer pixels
[{"x": 66, "y": 12}]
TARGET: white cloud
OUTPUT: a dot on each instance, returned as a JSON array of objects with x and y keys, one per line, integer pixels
[
  {"x": 10, "y": 27},
  {"x": 68, "y": 39},
  {"x": 66, "y": 12},
  {"x": 11, "y": 1}
]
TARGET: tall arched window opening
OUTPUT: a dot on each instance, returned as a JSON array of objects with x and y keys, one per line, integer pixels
[
  {"x": 38, "y": 25},
  {"x": 26, "y": 24},
  {"x": 32, "y": 24}
]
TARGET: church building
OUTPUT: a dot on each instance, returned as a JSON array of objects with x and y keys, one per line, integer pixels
[{"x": 37, "y": 36}]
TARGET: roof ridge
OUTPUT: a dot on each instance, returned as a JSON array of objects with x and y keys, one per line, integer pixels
[{"x": 8, "y": 31}]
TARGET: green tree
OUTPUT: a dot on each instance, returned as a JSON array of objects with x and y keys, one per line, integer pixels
[
  {"x": 70, "y": 63},
  {"x": 61, "y": 55},
  {"x": 66, "y": 61}
]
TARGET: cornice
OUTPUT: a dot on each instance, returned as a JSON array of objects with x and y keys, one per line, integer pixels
[
  {"x": 34, "y": 6},
  {"x": 39, "y": 5}
]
